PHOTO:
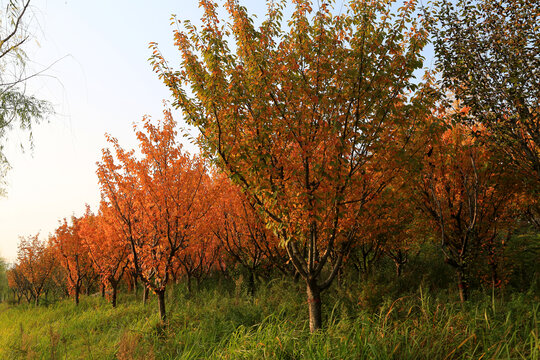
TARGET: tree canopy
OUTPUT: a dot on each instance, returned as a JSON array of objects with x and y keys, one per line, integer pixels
[{"x": 17, "y": 107}]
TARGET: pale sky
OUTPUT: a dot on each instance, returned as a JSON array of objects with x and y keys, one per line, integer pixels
[{"x": 104, "y": 83}]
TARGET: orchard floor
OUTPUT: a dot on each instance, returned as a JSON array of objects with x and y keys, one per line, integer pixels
[{"x": 220, "y": 321}]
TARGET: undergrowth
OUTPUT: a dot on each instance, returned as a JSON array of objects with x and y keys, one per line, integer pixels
[{"x": 363, "y": 320}]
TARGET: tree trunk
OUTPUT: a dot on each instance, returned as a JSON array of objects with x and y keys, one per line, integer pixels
[
  {"x": 114, "y": 286},
  {"x": 145, "y": 295},
  {"x": 77, "y": 291},
  {"x": 189, "y": 282},
  {"x": 339, "y": 277},
  {"x": 314, "y": 303},
  {"x": 462, "y": 286},
  {"x": 17, "y": 296},
  {"x": 37, "y": 301},
  {"x": 135, "y": 285},
  {"x": 398, "y": 269},
  {"x": 251, "y": 283},
  {"x": 102, "y": 290},
  {"x": 161, "y": 302}
]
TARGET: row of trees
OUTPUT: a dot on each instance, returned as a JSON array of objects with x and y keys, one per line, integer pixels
[
  {"x": 163, "y": 217},
  {"x": 316, "y": 122},
  {"x": 167, "y": 217},
  {"x": 320, "y": 151}
]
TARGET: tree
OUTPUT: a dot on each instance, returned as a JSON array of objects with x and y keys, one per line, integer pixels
[
  {"x": 4, "y": 286},
  {"x": 101, "y": 237},
  {"x": 36, "y": 263},
  {"x": 16, "y": 107},
  {"x": 470, "y": 199},
  {"x": 402, "y": 228},
  {"x": 487, "y": 52},
  {"x": 197, "y": 259},
  {"x": 72, "y": 255},
  {"x": 242, "y": 235},
  {"x": 160, "y": 200},
  {"x": 298, "y": 115},
  {"x": 390, "y": 227},
  {"x": 18, "y": 283}
]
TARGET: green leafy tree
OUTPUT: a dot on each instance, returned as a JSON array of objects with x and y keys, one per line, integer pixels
[
  {"x": 4, "y": 288},
  {"x": 17, "y": 108},
  {"x": 488, "y": 52}
]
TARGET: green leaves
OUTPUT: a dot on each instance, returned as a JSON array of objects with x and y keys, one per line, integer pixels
[{"x": 487, "y": 53}]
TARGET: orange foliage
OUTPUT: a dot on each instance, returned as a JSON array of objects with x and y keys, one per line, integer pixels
[
  {"x": 242, "y": 234},
  {"x": 102, "y": 238},
  {"x": 35, "y": 262},
  {"x": 72, "y": 255},
  {"x": 160, "y": 200},
  {"x": 470, "y": 198}
]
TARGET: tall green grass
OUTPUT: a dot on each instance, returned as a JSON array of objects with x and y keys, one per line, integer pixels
[{"x": 221, "y": 322}]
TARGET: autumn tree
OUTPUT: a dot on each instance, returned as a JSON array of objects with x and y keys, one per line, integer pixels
[
  {"x": 390, "y": 226},
  {"x": 469, "y": 196},
  {"x": 403, "y": 229},
  {"x": 72, "y": 255},
  {"x": 102, "y": 238},
  {"x": 35, "y": 262},
  {"x": 243, "y": 235},
  {"x": 487, "y": 53},
  {"x": 197, "y": 260},
  {"x": 18, "y": 283},
  {"x": 160, "y": 199},
  {"x": 297, "y": 112}
]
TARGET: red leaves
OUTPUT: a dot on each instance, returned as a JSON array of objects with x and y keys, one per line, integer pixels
[{"x": 158, "y": 201}]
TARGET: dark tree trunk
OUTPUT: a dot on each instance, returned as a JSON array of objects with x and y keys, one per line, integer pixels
[
  {"x": 189, "y": 282},
  {"x": 114, "y": 286},
  {"x": 251, "y": 282},
  {"x": 37, "y": 301},
  {"x": 161, "y": 302},
  {"x": 102, "y": 290},
  {"x": 18, "y": 296},
  {"x": 77, "y": 293},
  {"x": 314, "y": 303}
]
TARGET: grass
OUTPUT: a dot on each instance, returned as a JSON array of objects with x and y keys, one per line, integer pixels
[{"x": 220, "y": 322}]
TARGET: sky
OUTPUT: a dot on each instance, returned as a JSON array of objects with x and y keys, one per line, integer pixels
[{"x": 101, "y": 82}]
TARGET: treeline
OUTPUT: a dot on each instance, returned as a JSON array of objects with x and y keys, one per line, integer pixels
[
  {"x": 321, "y": 154},
  {"x": 168, "y": 217}
]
